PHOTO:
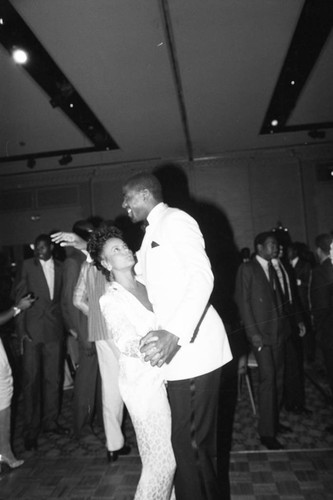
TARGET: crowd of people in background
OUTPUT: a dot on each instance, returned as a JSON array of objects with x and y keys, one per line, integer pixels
[{"x": 157, "y": 328}]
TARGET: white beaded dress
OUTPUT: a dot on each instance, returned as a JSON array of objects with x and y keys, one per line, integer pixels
[
  {"x": 6, "y": 379},
  {"x": 143, "y": 390}
]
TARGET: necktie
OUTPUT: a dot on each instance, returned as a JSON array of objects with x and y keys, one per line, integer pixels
[
  {"x": 277, "y": 289},
  {"x": 144, "y": 225}
]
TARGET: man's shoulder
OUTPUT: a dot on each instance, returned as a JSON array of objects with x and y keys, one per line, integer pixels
[
  {"x": 250, "y": 265},
  {"x": 58, "y": 264},
  {"x": 30, "y": 263}
]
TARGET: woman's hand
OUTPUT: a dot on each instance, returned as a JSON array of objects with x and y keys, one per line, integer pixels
[
  {"x": 159, "y": 347},
  {"x": 69, "y": 240}
]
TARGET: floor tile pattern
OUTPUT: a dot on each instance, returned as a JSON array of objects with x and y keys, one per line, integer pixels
[{"x": 65, "y": 468}]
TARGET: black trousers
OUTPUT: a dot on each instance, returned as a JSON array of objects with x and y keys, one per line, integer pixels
[
  {"x": 294, "y": 392},
  {"x": 194, "y": 405},
  {"x": 227, "y": 408},
  {"x": 87, "y": 389},
  {"x": 271, "y": 382},
  {"x": 42, "y": 373}
]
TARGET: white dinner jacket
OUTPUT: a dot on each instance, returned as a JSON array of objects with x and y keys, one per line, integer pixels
[{"x": 174, "y": 266}]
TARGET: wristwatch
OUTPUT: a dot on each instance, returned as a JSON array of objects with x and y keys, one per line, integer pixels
[{"x": 16, "y": 310}]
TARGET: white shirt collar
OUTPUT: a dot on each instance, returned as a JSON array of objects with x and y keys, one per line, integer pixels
[
  {"x": 46, "y": 262},
  {"x": 262, "y": 262},
  {"x": 155, "y": 213}
]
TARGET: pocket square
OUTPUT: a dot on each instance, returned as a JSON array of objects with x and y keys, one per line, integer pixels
[{"x": 154, "y": 244}]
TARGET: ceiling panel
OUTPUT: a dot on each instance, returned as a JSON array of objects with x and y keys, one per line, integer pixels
[{"x": 167, "y": 79}]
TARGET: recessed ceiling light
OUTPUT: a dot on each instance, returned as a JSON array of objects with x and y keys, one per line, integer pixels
[
  {"x": 20, "y": 56},
  {"x": 274, "y": 123}
]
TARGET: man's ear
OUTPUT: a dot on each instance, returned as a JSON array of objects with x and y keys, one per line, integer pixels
[{"x": 146, "y": 194}]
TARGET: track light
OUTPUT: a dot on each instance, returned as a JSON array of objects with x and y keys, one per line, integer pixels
[
  {"x": 317, "y": 134},
  {"x": 31, "y": 162},
  {"x": 64, "y": 160}
]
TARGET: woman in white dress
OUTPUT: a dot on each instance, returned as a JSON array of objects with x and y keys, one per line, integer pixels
[
  {"x": 129, "y": 316},
  {"x": 7, "y": 456}
]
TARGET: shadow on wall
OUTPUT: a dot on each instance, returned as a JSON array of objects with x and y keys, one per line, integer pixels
[{"x": 217, "y": 232}]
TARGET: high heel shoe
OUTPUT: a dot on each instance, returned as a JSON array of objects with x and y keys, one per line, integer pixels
[{"x": 12, "y": 463}]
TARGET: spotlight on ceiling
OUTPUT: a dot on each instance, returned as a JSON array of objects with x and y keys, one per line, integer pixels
[
  {"x": 317, "y": 134},
  {"x": 20, "y": 56},
  {"x": 31, "y": 162},
  {"x": 65, "y": 159}
]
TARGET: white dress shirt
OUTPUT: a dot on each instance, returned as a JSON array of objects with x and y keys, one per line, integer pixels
[{"x": 48, "y": 269}]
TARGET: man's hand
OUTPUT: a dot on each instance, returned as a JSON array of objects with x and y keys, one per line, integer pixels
[
  {"x": 257, "y": 342},
  {"x": 159, "y": 347},
  {"x": 89, "y": 347},
  {"x": 26, "y": 336},
  {"x": 69, "y": 240},
  {"x": 25, "y": 302},
  {"x": 302, "y": 329}
]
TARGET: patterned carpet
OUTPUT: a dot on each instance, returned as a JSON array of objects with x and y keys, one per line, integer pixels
[
  {"x": 70, "y": 470},
  {"x": 308, "y": 431}
]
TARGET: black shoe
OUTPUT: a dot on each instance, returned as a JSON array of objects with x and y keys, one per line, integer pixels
[
  {"x": 57, "y": 429},
  {"x": 284, "y": 429},
  {"x": 299, "y": 410},
  {"x": 30, "y": 444},
  {"x": 271, "y": 443},
  {"x": 112, "y": 456}
]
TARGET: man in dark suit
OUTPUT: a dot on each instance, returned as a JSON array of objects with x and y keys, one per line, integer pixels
[
  {"x": 302, "y": 271},
  {"x": 86, "y": 382},
  {"x": 260, "y": 301},
  {"x": 41, "y": 330},
  {"x": 322, "y": 302}
]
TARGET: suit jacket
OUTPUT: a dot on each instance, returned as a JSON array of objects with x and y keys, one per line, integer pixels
[
  {"x": 256, "y": 303},
  {"x": 43, "y": 321},
  {"x": 322, "y": 302},
  {"x": 174, "y": 266},
  {"x": 74, "y": 318},
  {"x": 303, "y": 274}
]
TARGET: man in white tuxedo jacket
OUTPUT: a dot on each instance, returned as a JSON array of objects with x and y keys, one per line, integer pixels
[{"x": 173, "y": 265}]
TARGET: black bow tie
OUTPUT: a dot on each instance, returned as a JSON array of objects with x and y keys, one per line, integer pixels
[{"x": 144, "y": 225}]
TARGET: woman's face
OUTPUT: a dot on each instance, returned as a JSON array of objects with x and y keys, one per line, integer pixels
[{"x": 116, "y": 255}]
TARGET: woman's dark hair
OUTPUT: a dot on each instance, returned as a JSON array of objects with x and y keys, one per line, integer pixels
[{"x": 96, "y": 244}]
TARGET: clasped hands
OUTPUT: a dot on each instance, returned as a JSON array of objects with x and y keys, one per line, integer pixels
[{"x": 159, "y": 347}]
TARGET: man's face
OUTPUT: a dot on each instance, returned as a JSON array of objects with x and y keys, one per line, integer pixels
[
  {"x": 331, "y": 252},
  {"x": 269, "y": 249},
  {"x": 43, "y": 250},
  {"x": 134, "y": 202}
]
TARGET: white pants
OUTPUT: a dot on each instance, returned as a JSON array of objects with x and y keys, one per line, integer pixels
[
  {"x": 113, "y": 406},
  {"x": 6, "y": 379}
]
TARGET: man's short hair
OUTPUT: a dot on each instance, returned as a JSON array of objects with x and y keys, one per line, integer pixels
[
  {"x": 83, "y": 228},
  {"x": 262, "y": 237},
  {"x": 323, "y": 241},
  {"x": 43, "y": 237},
  {"x": 144, "y": 180}
]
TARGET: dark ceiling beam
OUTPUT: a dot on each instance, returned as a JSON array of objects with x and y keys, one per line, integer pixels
[
  {"x": 48, "y": 154},
  {"x": 15, "y": 33},
  {"x": 176, "y": 75},
  {"x": 312, "y": 31}
]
